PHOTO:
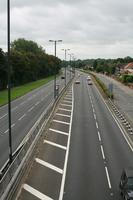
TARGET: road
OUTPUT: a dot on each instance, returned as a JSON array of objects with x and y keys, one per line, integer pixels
[
  {"x": 24, "y": 111},
  {"x": 96, "y": 152}
]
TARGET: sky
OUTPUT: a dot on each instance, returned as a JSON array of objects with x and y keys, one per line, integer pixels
[{"x": 89, "y": 28}]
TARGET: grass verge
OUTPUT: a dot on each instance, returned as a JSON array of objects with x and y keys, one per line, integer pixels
[
  {"x": 22, "y": 90},
  {"x": 100, "y": 84}
]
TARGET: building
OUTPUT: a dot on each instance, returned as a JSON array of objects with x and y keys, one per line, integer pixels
[{"x": 128, "y": 69}]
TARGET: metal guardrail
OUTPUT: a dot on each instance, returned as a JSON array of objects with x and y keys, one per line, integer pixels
[{"x": 16, "y": 169}]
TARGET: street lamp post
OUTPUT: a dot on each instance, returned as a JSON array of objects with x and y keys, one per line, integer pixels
[
  {"x": 65, "y": 63},
  {"x": 9, "y": 80},
  {"x": 71, "y": 54},
  {"x": 55, "y": 42}
]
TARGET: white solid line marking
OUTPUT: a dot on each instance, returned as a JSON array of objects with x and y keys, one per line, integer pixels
[
  {"x": 36, "y": 193},
  {"x": 99, "y": 136},
  {"x": 3, "y": 116},
  {"x": 31, "y": 108},
  {"x": 57, "y": 131},
  {"x": 65, "y": 105},
  {"x": 94, "y": 116},
  {"x": 64, "y": 109},
  {"x": 48, "y": 165},
  {"x": 102, "y": 152},
  {"x": 97, "y": 125},
  {"x": 54, "y": 144},
  {"x": 22, "y": 117},
  {"x": 37, "y": 103},
  {"x": 61, "y": 122},
  {"x": 63, "y": 115},
  {"x": 107, "y": 174}
]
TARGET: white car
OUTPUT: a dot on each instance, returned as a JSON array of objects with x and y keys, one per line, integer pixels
[{"x": 77, "y": 82}]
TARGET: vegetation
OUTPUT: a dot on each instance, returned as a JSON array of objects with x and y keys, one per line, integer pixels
[
  {"x": 21, "y": 90},
  {"x": 29, "y": 62}
]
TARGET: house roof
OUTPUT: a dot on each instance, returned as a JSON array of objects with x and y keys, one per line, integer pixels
[{"x": 129, "y": 66}]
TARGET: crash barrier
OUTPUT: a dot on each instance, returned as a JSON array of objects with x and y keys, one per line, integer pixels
[
  {"x": 13, "y": 175},
  {"x": 126, "y": 122}
]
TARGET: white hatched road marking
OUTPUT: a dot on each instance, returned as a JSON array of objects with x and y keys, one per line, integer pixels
[
  {"x": 48, "y": 165},
  {"x": 67, "y": 102},
  {"x": 107, "y": 174},
  {"x": 66, "y": 98},
  {"x": 54, "y": 144},
  {"x": 14, "y": 108},
  {"x": 61, "y": 122},
  {"x": 22, "y": 117},
  {"x": 62, "y": 104},
  {"x": 36, "y": 193},
  {"x": 63, "y": 115},
  {"x": 3, "y": 116},
  {"x": 102, "y": 152},
  {"x": 67, "y": 153},
  {"x": 64, "y": 109},
  {"x": 12, "y": 125},
  {"x": 57, "y": 131}
]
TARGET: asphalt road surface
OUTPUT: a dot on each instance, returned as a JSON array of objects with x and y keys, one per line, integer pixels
[
  {"x": 83, "y": 153},
  {"x": 24, "y": 111}
]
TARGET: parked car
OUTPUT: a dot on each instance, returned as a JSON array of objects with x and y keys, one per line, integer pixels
[{"x": 126, "y": 184}]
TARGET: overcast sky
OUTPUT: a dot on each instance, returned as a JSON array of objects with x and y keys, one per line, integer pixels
[{"x": 90, "y": 28}]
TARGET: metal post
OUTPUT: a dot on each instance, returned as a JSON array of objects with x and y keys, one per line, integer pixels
[
  {"x": 55, "y": 75},
  {"x": 65, "y": 67},
  {"x": 9, "y": 80}
]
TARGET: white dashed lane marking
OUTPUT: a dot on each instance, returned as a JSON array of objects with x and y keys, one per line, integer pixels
[
  {"x": 3, "y": 116},
  {"x": 99, "y": 137},
  {"x": 102, "y": 152},
  {"x": 107, "y": 174},
  {"x": 31, "y": 108}
]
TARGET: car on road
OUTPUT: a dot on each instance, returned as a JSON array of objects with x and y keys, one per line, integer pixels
[
  {"x": 77, "y": 82},
  {"x": 126, "y": 184},
  {"x": 89, "y": 82},
  {"x": 62, "y": 77},
  {"x": 88, "y": 78}
]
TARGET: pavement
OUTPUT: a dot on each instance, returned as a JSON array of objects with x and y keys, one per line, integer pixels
[{"x": 123, "y": 95}]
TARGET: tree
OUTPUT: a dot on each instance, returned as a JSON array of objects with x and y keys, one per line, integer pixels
[
  {"x": 3, "y": 70},
  {"x": 23, "y": 45}
]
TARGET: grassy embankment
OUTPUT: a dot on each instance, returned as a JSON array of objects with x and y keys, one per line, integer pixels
[
  {"x": 21, "y": 90},
  {"x": 100, "y": 84}
]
